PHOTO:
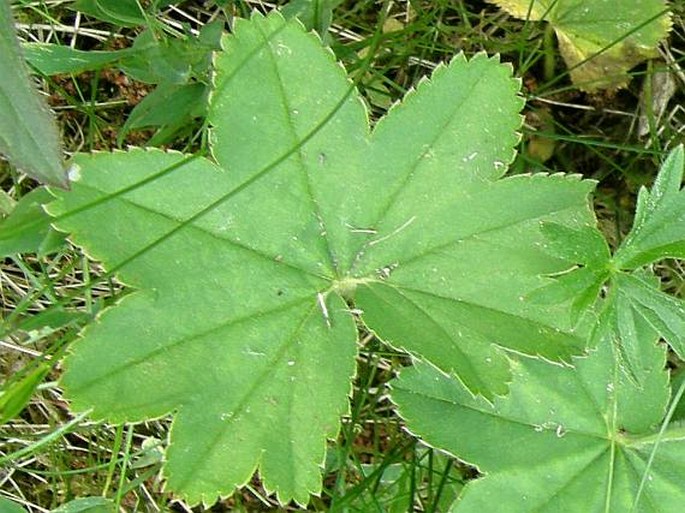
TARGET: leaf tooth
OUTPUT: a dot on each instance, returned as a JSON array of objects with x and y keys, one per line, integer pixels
[
  {"x": 559, "y": 176},
  {"x": 421, "y": 83},
  {"x": 441, "y": 450},
  {"x": 425, "y": 81}
]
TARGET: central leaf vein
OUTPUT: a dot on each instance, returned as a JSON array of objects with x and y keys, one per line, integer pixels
[
  {"x": 128, "y": 365},
  {"x": 247, "y": 396},
  {"x": 299, "y": 143},
  {"x": 189, "y": 224},
  {"x": 412, "y": 168}
]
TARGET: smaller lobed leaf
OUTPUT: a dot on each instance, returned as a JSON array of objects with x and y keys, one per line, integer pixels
[
  {"x": 659, "y": 228},
  {"x": 565, "y": 439},
  {"x": 240, "y": 364},
  {"x": 664, "y": 313}
]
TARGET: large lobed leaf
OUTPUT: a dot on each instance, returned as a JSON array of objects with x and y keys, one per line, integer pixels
[
  {"x": 247, "y": 269},
  {"x": 565, "y": 439},
  {"x": 657, "y": 233},
  {"x": 599, "y": 40}
]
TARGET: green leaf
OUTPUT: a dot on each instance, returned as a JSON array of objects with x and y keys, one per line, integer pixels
[
  {"x": 211, "y": 33},
  {"x": 125, "y": 13},
  {"x": 28, "y": 134},
  {"x": 18, "y": 388},
  {"x": 563, "y": 440},
  {"x": 8, "y": 506},
  {"x": 53, "y": 59},
  {"x": 585, "y": 245},
  {"x": 314, "y": 14},
  {"x": 158, "y": 59},
  {"x": 659, "y": 228},
  {"x": 664, "y": 313},
  {"x": 657, "y": 233},
  {"x": 599, "y": 40},
  {"x": 169, "y": 105},
  {"x": 54, "y": 317},
  {"x": 87, "y": 505},
  {"x": 17, "y": 392},
  {"x": 27, "y": 229},
  {"x": 249, "y": 269},
  {"x": 586, "y": 250}
]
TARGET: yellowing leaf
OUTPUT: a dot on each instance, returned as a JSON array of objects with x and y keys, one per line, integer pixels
[{"x": 600, "y": 40}]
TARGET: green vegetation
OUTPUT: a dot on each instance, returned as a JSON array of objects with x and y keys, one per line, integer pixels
[{"x": 247, "y": 299}]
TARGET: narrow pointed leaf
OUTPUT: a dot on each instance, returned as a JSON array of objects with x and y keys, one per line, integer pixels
[
  {"x": 126, "y": 13},
  {"x": 53, "y": 59},
  {"x": 246, "y": 268},
  {"x": 16, "y": 393},
  {"x": 28, "y": 134}
]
